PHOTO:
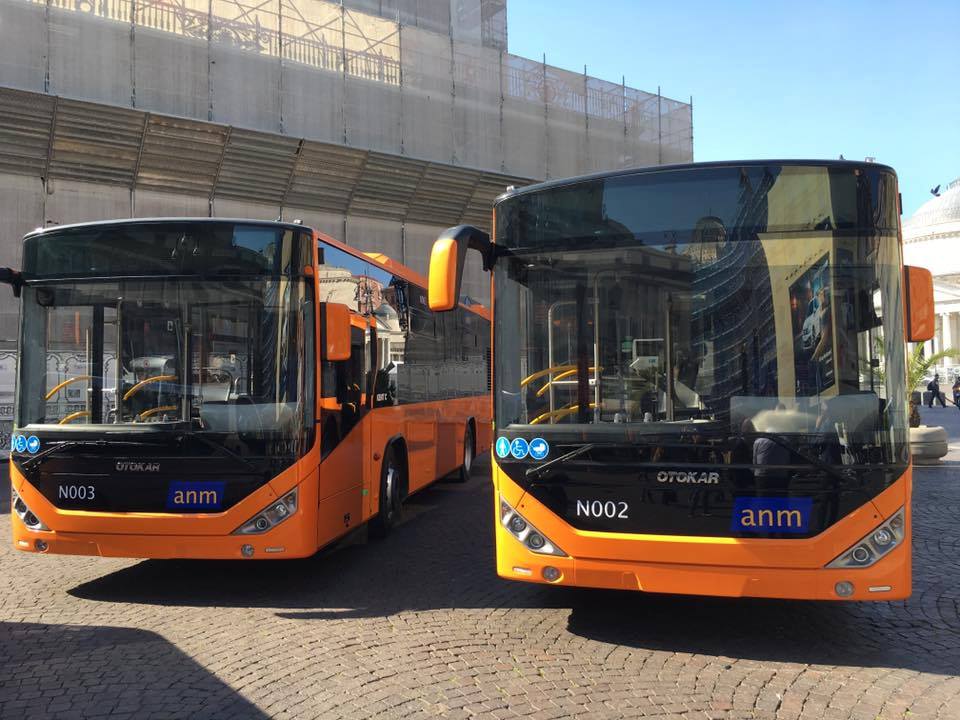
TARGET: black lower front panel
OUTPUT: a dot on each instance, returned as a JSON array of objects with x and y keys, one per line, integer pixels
[
  {"x": 158, "y": 480},
  {"x": 713, "y": 501}
]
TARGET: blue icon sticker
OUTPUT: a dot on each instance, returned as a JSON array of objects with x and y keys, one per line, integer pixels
[
  {"x": 519, "y": 448},
  {"x": 20, "y": 443},
  {"x": 539, "y": 448},
  {"x": 503, "y": 447},
  {"x": 33, "y": 444}
]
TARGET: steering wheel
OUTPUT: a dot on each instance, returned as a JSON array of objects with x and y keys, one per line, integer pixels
[{"x": 143, "y": 383}]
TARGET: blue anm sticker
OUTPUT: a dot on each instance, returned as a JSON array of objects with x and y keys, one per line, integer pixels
[
  {"x": 771, "y": 514},
  {"x": 195, "y": 495}
]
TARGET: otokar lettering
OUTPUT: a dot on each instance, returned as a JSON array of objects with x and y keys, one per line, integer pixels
[{"x": 682, "y": 476}]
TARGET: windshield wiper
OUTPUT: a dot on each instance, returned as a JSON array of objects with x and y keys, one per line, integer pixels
[
  {"x": 816, "y": 462},
  {"x": 30, "y": 462},
  {"x": 537, "y": 471},
  {"x": 224, "y": 450}
]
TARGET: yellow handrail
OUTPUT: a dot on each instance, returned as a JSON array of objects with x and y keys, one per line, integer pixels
[
  {"x": 155, "y": 379},
  {"x": 61, "y": 386},
  {"x": 566, "y": 373},
  {"x": 153, "y": 411},
  {"x": 540, "y": 373},
  {"x": 73, "y": 416},
  {"x": 562, "y": 412}
]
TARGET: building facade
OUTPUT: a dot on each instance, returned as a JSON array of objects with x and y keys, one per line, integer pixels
[
  {"x": 379, "y": 122},
  {"x": 931, "y": 239}
]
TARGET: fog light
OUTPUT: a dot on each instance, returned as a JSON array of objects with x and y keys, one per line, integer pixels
[
  {"x": 261, "y": 524},
  {"x": 518, "y": 524},
  {"x": 860, "y": 554},
  {"x": 883, "y": 537},
  {"x": 536, "y": 541},
  {"x": 844, "y": 588},
  {"x": 247, "y": 551},
  {"x": 41, "y": 545},
  {"x": 550, "y": 573}
]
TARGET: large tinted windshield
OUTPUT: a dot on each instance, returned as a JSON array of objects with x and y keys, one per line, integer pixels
[
  {"x": 719, "y": 302},
  {"x": 227, "y": 355}
]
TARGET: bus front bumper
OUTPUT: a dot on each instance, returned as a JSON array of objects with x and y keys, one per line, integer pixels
[
  {"x": 889, "y": 579},
  {"x": 271, "y": 545}
]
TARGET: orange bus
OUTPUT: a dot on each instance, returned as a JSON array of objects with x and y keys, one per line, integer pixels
[
  {"x": 699, "y": 379},
  {"x": 206, "y": 388}
]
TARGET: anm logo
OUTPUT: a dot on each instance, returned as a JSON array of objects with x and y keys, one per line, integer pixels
[
  {"x": 195, "y": 495},
  {"x": 771, "y": 514}
]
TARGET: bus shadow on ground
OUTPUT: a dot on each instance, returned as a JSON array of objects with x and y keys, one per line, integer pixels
[
  {"x": 103, "y": 670},
  {"x": 442, "y": 558},
  {"x": 809, "y": 633}
]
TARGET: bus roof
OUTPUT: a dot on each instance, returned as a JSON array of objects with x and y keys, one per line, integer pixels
[
  {"x": 162, "y": 220},
  {"x": 384, "y": 261},
  {"x": 563, "y": 182}
]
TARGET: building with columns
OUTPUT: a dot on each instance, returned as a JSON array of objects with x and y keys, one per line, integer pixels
[{"x": 931, "y": 239}]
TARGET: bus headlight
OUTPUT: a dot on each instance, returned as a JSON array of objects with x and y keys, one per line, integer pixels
[
  {"x": 522, "y": 530},
  {"x": 25, "y": 514},
  {"x": 271, "y": 516},
  {"x": 873, "y": 546}
]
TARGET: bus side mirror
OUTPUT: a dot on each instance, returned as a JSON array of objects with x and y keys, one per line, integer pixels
[
  {"x": 14, "y": 279},
  {"x": 335, "y": 329},
  {"x": 918, "y": 288},
  {"x": 446, "y": 263}
]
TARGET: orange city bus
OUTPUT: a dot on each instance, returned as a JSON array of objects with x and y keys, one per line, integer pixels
[
  {"x": 699, "y": 379},
  {"x": 206, "y": 388}
]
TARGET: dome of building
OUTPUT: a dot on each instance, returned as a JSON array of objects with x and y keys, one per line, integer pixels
[
  {"x": 931, "y": 239},
  {"x": 931, "y": 236},
  {"x": 938, "y": 210}
]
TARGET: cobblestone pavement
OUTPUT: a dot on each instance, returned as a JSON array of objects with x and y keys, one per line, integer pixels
[{"x": 419, "y": 625}]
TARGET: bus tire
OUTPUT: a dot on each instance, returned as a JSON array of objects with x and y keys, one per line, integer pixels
[
  {"x": 391, "y": 483},
  {"x": 469, "y": 453}
]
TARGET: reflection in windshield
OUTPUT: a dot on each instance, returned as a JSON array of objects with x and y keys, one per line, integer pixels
[
  {"x": 754, "y": 315},
  {"x": 222, "y": 358}
]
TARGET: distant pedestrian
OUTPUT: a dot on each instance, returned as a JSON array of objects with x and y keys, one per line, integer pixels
[
  {"x": 956, "y": 392},
  {"x": 934, "y": 387}
]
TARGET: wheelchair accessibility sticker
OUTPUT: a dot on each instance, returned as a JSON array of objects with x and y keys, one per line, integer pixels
[{"x": 519, "y": 448}]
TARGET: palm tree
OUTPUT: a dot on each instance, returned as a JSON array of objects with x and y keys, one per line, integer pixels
[{"x": 919, "y": 365}]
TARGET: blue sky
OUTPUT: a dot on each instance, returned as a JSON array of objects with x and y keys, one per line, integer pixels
[{"x": 778, "y": 79}]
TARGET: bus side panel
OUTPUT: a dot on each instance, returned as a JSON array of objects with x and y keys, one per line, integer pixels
[
  {"x": 421, "y": 435},
  {"x": 450, "y": 429},
  {"x": 337, "y": 515},
  {"x": 340, "y": 486}
]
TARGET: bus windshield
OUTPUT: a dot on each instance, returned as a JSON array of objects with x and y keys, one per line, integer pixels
[
  {"x": 753, "y": 310},
  {"x": 201, "y": 329}
]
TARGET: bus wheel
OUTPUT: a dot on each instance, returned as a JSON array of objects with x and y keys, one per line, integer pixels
[
  {"x": 463, "y": 474},
  {"x": 391, "y": 480}
]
